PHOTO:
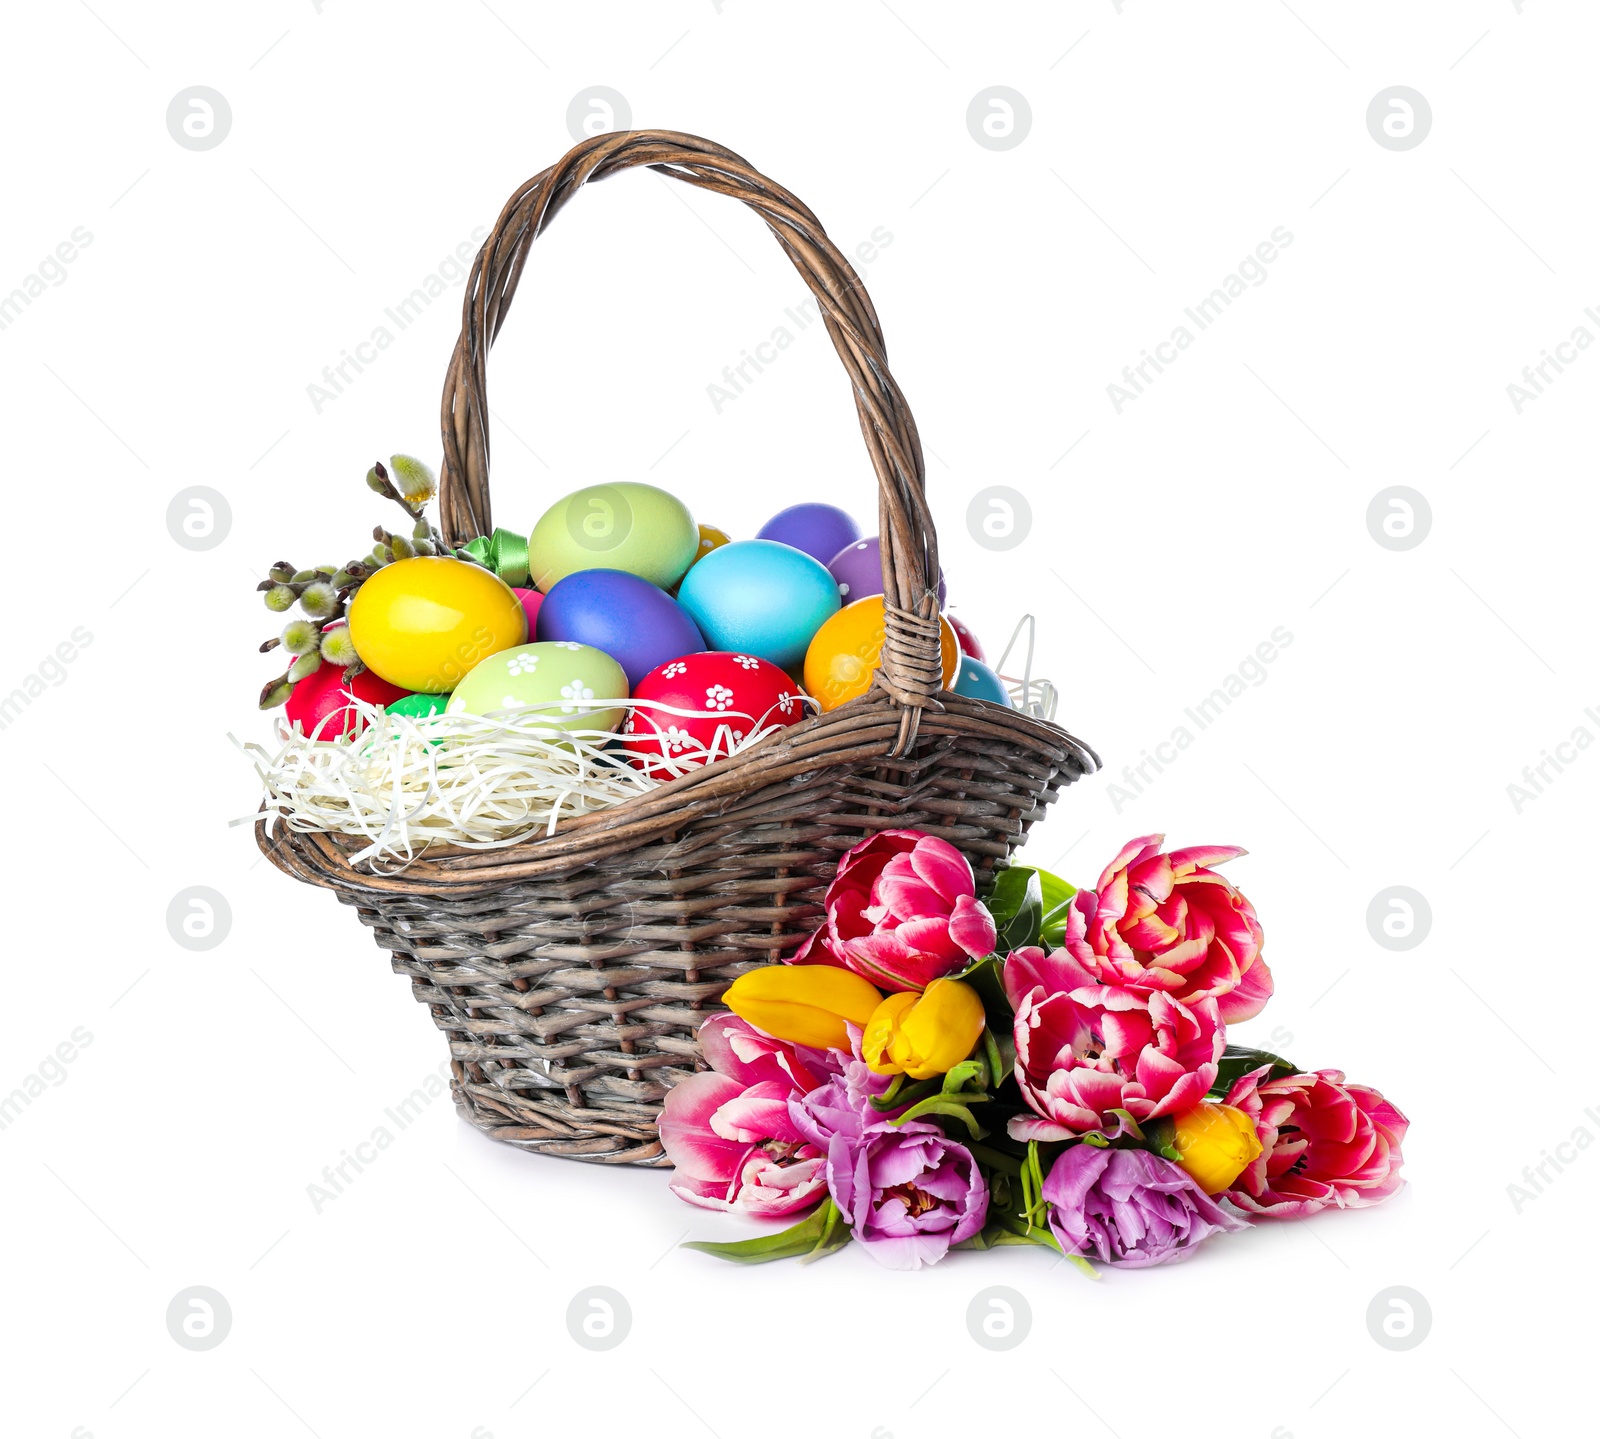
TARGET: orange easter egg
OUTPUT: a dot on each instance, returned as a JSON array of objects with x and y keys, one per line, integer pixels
[{"x": 849, "y": 647}]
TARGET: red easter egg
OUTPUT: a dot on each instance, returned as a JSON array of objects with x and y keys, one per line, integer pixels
[
  {"x": 324, "y": 693},
  {"x": 729, "y": 696},
  {"x": 967, "y": 640}
]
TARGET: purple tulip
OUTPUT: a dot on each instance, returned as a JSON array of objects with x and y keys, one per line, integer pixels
[
  {"x": 907, "y": 1192},
  {"x": 1128, "y": 1206}
]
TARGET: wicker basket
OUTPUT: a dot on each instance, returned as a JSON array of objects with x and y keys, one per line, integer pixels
[{"x": 571, "y": 972}]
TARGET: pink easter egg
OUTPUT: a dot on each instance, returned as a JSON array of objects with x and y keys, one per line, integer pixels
[
  {"x": 530, "y": 600},
  {"x": 729, "y": 696}
]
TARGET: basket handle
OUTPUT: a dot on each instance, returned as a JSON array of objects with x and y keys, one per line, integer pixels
[{"x": 910, "y": 668}]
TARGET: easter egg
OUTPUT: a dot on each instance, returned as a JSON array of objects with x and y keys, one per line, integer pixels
[
  {"x": 820, "y": 531},
  {"x": 424, "y": 623},
  {"x": 530, "y": 600},
  {"x": 316, "y": 702},
  {"x": 966, "y": 639},
  {"x": 728, "y": 695},
  {"x": 977, "y": 681},
  {"x": 711, "y": 538},
  {"x": 635, "y": 623},
  {"x": 859, "y": 571},
  {"x": 556, "y": 680},
  {"x": 419, "y": 706},
  {"x": 848, "y": 648},
  {"x": 761, "y": 598},
  {"x": 625, "y": 526}
]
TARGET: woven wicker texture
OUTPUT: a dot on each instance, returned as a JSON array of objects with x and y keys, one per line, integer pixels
[{"x": 570, "y": 972}]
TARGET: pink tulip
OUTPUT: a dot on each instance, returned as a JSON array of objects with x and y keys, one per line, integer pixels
[
  {"x": 902, "y": 911},
  {"x": 1085, "y": 1049},
  {"x": 1323, "y": 1142},
  {"x": 1167, "y": 923},
  {"x": 729, "y": 1133}
]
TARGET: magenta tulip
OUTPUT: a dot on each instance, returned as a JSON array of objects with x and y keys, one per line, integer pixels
[
  {"x": 1169, "y": 924},
  {"x": 1323, "y": 1143},
  {"x": 1086, "y": 1049},
  {"x": 902, "y": 911},
  {"x": 729, "y": 1131}
]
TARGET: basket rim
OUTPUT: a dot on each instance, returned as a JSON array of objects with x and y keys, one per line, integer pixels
[{"x": 858, "y": 732}]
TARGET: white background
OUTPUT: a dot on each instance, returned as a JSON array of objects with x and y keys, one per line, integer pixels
[{"x": 1167, "y": 542}]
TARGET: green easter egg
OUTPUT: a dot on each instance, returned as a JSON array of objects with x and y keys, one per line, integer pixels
[
  {"x": 555, "y": 680},
  {"x": 419, "y": 705},
  {"x": 625, "y": 526}
]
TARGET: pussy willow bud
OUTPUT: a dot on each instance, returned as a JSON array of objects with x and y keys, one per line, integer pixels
[
  {"x": 347, "y": 576},
  {"x": 338, "y": 648},
  {"x": 279, "y": 598},
  {"x": 402, "y": 547},
  {"x": 423, "y": 547},
  {"x": 382, "y": 555},
  {"x": 307, "y": 664},
  {"x": 319, "y": 600},
  {"x": 300, "y": 636},
  {"x": 282, "y": 572},
  {"x": 379, "y": 482},
  {"x": 415, "y": 481},
  {"x": 380, "y": 534},
  {"x": 422, "y": 531},
  {"x": 275, "y": 692},
  {"x": 267, "y": 646}
]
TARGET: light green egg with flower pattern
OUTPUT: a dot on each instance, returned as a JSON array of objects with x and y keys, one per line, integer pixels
[{"x": 573, "y": 686}]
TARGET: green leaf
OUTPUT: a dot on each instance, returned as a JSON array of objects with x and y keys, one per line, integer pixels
[
  {"x": 1238, "y": 1060},
  {"x": 1056, "y": 896},
  {"x": 953, "y": 1106},
  {"x": 820, "y": 1232},
  {"x": 1017, "y": 904},
  {"x": 984, "y": 976},
  {"x": 958, "y": 1076}
]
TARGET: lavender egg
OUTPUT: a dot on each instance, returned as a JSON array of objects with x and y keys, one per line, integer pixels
[
  {"x": 858, "y": 572},
  {"x": 637, "y": 624},
  {"x": 820, "y": 531}
]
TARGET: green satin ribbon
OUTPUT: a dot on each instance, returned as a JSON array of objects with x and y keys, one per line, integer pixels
[{"x": 505, "y": 552}]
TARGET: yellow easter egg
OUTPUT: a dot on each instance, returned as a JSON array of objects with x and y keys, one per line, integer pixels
[
  {"x": 849, "y": 647},
  {"x": 424, "y": 623},
  {"x": 711, "y": 538}
]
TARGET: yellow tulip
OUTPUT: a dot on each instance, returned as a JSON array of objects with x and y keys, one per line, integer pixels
[
  {"x": 803, "y": 1003},
  {"x": 925, "y": 1034},
  {"x": 1214, "y": 1142}
]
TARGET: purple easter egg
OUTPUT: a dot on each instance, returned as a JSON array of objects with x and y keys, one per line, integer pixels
[
  {"x": 859, "y": 572},
  {"x": 635, "y": 623},
  {"x": 821, "y": 531}
]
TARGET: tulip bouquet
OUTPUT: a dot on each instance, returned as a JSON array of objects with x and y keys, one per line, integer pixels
[{"x": 1047, "y": 1066}]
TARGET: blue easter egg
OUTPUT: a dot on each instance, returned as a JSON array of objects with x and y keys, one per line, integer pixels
[
  {"x": 977, "y": 681},
  {"x": 639, "y": 625},
  {"x": 821, "y": 531},
  {"x": 759, "y": 597}
]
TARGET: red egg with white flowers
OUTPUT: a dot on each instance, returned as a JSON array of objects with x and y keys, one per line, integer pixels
[{"x": 699, "y": 708}]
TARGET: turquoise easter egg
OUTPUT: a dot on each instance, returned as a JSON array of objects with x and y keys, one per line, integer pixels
[
  {"x": 977, "y": 681},
  {"x": 760, "y": 597},
  {"x": 565, "y": 683},
  {"x": 626, "y": 526}
]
